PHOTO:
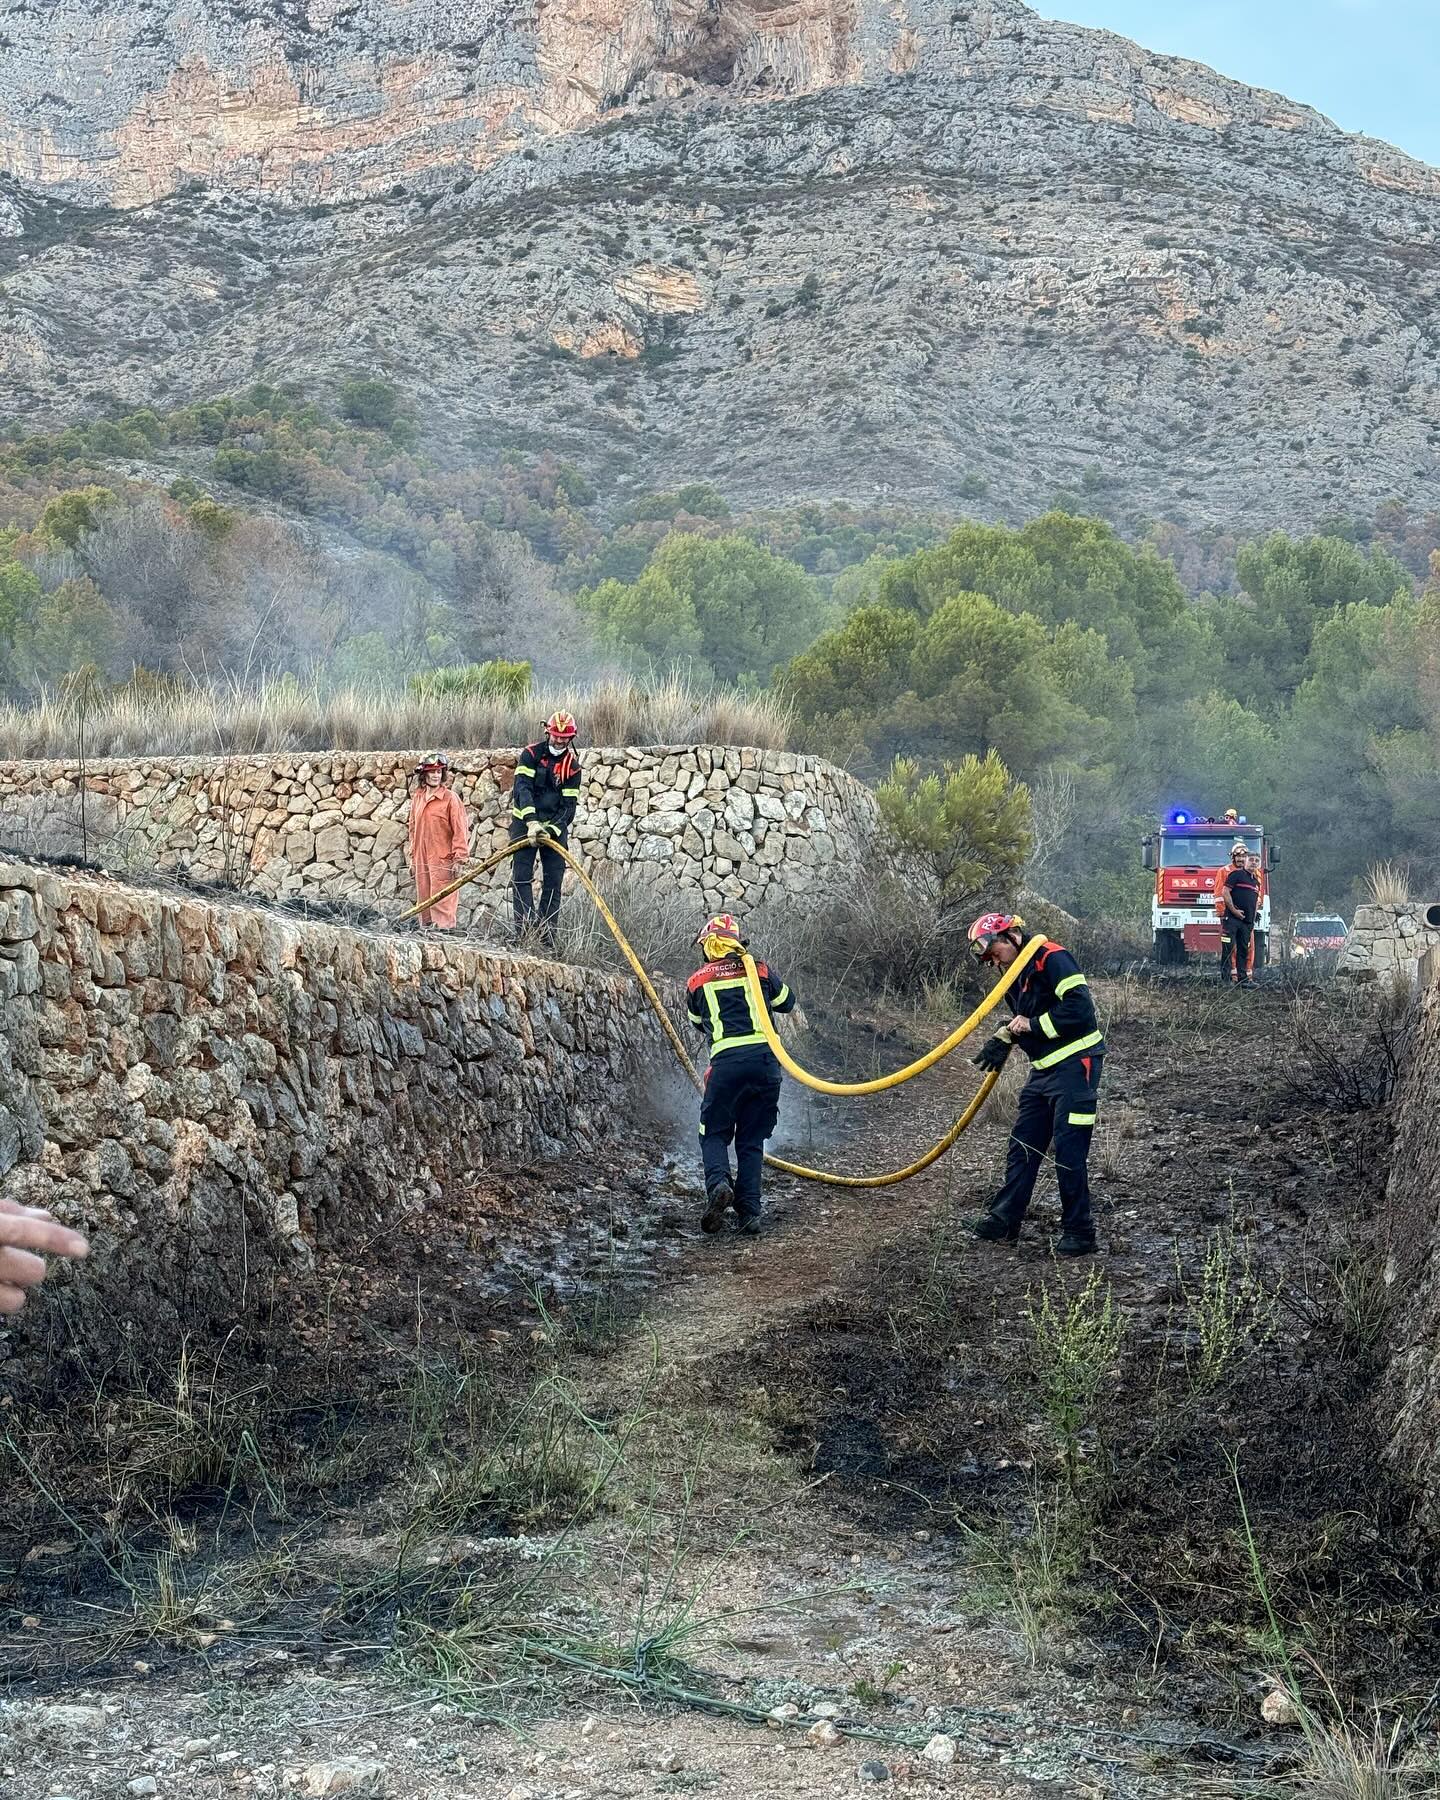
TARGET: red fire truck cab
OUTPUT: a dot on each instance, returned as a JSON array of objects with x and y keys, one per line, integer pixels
[{"x": 1186, "y": 854}]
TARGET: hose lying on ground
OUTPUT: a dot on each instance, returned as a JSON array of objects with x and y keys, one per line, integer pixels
[{"x": 657, "y": 1006}]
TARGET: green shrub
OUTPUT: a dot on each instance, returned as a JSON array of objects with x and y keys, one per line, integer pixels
[
  {"x": 367, "y": 401},
  {"x": 488, "y": 680},
  {"x": 970, "y": 823}
]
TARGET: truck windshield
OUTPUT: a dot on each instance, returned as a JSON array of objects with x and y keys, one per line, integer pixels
[
  {"x": 1203, "y": 852},
  {"x": 1315, "y": 927}
]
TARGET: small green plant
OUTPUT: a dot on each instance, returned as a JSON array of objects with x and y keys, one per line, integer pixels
[
  {"x": 1074, "y": 1342},
  {"x": 545, "y": 1462},
  {"x": 1032, "y": 1573},
  {"x": 876, "y": 1693},
  {"x": 1364, "y": 1297},
  {"x": 1229, "y": 1311}
]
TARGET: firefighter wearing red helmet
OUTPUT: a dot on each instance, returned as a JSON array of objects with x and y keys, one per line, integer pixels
[
  {"x": 542, "y": 809},
  {"x": 742, "y": 1084},
  {"x": 1056, "y": 1027}
]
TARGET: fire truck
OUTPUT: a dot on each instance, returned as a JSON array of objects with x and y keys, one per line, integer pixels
[{"x": 1186, "y": 854}]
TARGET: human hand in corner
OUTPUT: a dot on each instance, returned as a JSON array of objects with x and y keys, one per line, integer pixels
[{"x": 28, "y": 1234}]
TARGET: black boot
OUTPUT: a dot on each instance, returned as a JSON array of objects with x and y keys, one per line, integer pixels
[
  {"x": 993, "y": 1230},
  {"x": 718, "y": 1203},
  {"x": 749, "y": 1224},
  {"x": 1075, "y": 1243}
]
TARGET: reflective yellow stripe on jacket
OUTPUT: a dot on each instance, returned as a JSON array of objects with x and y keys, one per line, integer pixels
[
  {"x": 1075, "y": 1049},
  {"x": 718, "y": 1041}
]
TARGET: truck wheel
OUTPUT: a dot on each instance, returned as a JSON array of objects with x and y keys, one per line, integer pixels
[
  {"x": 1262, "y": 949},
  {"x": 1169, "y": 947}
]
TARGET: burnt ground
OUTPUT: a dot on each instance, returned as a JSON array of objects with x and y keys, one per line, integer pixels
[{"x": 554, "y": 1497}]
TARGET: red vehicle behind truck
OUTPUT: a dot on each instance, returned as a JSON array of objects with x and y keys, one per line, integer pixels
[{"x": 1187, "y": 854}]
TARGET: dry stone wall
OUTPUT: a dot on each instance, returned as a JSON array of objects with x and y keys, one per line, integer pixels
[
  {"x": 734, "y": 827},
  {"x": 1387, "y": 939},
  {"x": 209, "y": 1090},
  {"x": 1413, "y": 1261}
]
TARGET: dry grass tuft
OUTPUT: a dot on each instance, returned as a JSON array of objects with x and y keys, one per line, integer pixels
[
  {"x": 283, "y": 715},
  {"x": 1352, "y": 1760},
  {"x": 1388, "y": 884}
]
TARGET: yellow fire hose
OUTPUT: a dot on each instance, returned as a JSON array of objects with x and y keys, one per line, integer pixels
[{"x": 762, "y": 1012}]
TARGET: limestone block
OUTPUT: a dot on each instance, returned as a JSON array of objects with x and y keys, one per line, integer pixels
[
  {"x": 17, "y": 916},
  {"x": 332, "y": 843},
  {"x": 665, "y": 824}
]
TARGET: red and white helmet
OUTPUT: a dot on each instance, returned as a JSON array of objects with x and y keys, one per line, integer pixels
[
  {"x": 723, "y": 926},
  {"x": 561, "y": 726},
  {"x": 983, "y": 933},
  {"x": 432, "y": 759}
]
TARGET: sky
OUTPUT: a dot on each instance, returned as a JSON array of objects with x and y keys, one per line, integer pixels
[{"x": 1370, "y": 65}]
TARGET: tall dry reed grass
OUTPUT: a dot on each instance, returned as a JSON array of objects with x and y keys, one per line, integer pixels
[
  {"x": 284, "y": 715},
  {"x": 1388, "y": 883}
]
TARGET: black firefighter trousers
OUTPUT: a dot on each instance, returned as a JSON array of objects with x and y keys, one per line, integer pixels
[
  {"x": 1237, "y": 942},
  {"x": 741, "y": 1102},
  {"x": 552, "y": 874},
  {"x": 1056, "y": 1106}
]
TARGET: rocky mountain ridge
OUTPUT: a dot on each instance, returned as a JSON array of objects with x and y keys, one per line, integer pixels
[{"x": 950, "y": 253}]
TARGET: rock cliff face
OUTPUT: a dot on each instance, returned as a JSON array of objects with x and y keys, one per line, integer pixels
[
  {"x": 820, "y": 247},
  {"x": 322, "y": 98}
]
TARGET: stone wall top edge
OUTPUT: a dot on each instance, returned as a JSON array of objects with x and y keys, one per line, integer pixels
[
  {"x": 49, "y": 884},
  {"x": 105, "y": 765}
]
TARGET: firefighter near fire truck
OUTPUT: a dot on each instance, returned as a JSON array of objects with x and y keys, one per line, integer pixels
[
  {"x": 1189, "y": 855},
  {"x": 1056, "y": 1027},
  {"x": 1237, "y": 900},
  {"x": 542, "y": 810},
  {"x": 741, "y": 1098}
]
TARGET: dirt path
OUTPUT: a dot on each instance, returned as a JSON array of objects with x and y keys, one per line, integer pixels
[{"x": 824, "y": 1433}]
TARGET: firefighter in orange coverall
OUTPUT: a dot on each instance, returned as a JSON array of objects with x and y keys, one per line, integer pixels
[{"x": 439, "y": 839}]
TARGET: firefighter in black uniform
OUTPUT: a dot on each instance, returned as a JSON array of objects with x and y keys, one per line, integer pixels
[
  {"x": 1237, "y": 900},
  {"x": 546, "y": 794},
  {"x": 742, "y": 1084},
  {"x": 1055, "y": 1025}
]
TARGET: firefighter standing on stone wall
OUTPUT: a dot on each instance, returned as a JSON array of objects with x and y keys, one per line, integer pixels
[
  {"x": 542, "y": 806},
  {"x": 1055, "y": 1025},
  {"x": 742, "y": 1084}
]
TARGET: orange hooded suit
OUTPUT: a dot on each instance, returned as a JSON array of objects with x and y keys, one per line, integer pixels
[{"x": 439, "y": 839}]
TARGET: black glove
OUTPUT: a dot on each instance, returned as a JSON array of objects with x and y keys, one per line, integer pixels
[{"x": 992, "y": 1055}]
